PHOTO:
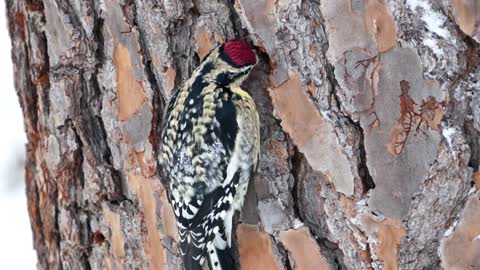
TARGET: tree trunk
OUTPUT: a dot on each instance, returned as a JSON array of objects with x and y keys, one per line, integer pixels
[{"x": 370, "y": 113}]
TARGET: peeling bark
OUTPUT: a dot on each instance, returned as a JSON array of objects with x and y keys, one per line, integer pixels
[{"x": 370, "y": 129}]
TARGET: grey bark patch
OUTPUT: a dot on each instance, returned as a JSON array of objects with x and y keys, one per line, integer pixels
[
  {"x": 273, "y": 216},
  {"x": 397, "y": 177},
  {"x": 138, "y": 128}
]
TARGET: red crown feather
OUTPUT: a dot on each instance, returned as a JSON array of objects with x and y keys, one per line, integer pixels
[{"x": 240, "y": 52}]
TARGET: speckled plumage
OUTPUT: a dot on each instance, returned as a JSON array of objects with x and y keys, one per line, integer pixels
[{"x": 210, "y": 148}]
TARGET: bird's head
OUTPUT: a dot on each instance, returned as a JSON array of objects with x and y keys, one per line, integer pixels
[
  {"x": 238, "y": 53},
  {"x": 232, "y": 62}
]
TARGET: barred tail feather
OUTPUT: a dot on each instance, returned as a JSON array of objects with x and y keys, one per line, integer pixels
[
  {"x": 189, "y": 263},
  {"x": 192, "y": 251},
  {"x": 226, "y": 259}
]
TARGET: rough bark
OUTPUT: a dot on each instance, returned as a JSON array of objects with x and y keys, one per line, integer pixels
[{"x": 370, "y": 113}]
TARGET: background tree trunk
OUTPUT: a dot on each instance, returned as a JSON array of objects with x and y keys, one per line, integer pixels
[{"x": 370, "y": 113}]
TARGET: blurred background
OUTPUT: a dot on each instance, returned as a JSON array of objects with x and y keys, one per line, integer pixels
[{"x": 16, "y": 243}]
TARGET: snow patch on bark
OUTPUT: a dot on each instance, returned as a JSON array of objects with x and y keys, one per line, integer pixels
[
  {"x": 448, "y": 134},
  {"x": 450, "y": 230},
  {"x": 434, "y": 21},
  {"x": 436, "y": 25}
]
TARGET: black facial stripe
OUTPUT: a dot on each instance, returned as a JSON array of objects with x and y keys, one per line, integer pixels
[{"x": 225, "y": 78}]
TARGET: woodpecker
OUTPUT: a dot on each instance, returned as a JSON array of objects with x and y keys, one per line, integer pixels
[{"x": 209, "y": 150}]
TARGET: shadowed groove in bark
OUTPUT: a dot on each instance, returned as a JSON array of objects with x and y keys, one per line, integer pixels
[
  {"x": 296, "y": 159},
  {"x": 283, "y": 251},
  {"x": 472, "y": 60},
  {"x": 90, "y": 136},
  {"x": 76, "y": 207},
  {"x": 363, "y": 171},
  {"x": 472, "y": 140},
  {"x": 472, "y": 134},
  {"x": 159, "y": 102},
  {"x": 240, "y": 32},
  {"x": 328, "y": 249},
  {"x": 336, "y": 107},
  {"x": 87, "y": 113}
]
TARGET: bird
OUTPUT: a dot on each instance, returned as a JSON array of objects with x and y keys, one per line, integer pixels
[{"x": 209, "y": 150}]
